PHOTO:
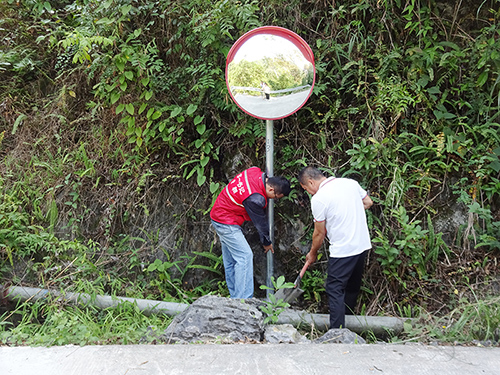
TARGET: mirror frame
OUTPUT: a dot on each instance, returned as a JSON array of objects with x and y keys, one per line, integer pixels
[{"x": 276, "y": 31}]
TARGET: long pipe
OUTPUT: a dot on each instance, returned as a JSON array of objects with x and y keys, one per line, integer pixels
[
  {"x": 148, "y": 307},
  {"x": 379, "y": 325},
  {"x": 270, "y": 205}
]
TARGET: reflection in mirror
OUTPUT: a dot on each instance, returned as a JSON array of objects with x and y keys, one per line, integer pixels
[{"x": 269, "y": 77}]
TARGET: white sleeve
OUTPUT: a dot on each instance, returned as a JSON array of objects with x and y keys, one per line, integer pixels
[
  {"x": 362, "y": 192},
  {"x": 318, "y": 210}
]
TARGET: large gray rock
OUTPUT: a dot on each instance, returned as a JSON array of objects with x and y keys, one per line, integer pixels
[
  {"x": 217, "y": 319},
  {"x": 340, "y": 336}
]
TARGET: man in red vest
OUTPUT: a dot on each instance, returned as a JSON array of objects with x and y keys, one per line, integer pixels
[{"x": 244, "y": 199}]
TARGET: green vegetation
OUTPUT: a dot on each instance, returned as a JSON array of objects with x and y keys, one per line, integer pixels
[
  {"x": 105, "y": 105},
  {"x": 50, "y": 324},
  {"x": 274, "y": 306}
]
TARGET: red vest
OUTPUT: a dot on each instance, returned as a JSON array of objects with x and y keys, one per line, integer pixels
[{"x": 228, "y": 207}]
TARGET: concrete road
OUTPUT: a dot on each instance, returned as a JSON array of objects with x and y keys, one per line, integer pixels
[
  {"x": 276, "y": 107},
  {"x": 268, "y": 359}
]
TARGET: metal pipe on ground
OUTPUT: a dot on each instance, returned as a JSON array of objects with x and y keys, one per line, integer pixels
[
  {"x": 147, "y": 307},
  {"x": 379, "y": 325}
]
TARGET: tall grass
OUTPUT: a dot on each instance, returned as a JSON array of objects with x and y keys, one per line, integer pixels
[
  {"x": 470, "y": 321},
  {"x": 48, "y": 324}
]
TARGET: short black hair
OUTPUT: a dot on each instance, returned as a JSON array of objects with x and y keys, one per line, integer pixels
[
  {"x": 310, "y": 172},
  {"x": 280, "y": 184}
]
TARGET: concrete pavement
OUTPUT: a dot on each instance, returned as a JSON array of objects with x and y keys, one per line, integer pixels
[{"x": 268, "y": 359}]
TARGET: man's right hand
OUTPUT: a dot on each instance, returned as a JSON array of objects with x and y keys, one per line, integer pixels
[{"x": 311, "y": 257}]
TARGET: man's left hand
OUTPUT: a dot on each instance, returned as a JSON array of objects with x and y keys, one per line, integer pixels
[{"x": 269, "y": 247}]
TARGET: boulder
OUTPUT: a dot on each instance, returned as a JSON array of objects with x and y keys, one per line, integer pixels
[{"x": 217, "y": 319}]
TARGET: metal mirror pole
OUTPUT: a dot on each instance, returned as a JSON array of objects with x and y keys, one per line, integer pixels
[{"x": 270, "y": 206}]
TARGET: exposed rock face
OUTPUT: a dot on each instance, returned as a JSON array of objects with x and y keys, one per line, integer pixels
[
  {"x": 217, "y": 319},
  {"x": 174, "y": 222},
  {"x": 340, "y": 336}
]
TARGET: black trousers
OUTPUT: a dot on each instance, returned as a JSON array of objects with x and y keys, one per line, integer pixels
[{"x": 342, "y": 286}]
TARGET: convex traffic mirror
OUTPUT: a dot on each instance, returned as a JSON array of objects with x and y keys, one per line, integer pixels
[{"x": 270, "y": 72}]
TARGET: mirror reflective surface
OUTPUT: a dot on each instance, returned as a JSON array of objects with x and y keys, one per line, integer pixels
[{"x": 270, "y": 72}]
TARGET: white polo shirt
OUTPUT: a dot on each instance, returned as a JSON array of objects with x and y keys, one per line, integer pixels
[{"x": 339, "y": 202}]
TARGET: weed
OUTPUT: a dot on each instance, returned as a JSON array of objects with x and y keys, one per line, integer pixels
[
  {"x": 275, "y": 306},
  {"x": 50, "y": 324},
  {"x": 313, "y": 284}
]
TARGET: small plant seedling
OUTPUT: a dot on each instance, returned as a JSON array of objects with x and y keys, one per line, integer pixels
[{"x": 275, "y": 306}]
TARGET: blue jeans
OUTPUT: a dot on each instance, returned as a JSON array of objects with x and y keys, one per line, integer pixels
[{"x": 238, "y": 260}]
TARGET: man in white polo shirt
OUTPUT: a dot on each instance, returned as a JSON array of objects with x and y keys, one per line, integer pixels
[{"x": 338, "y": 207}]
